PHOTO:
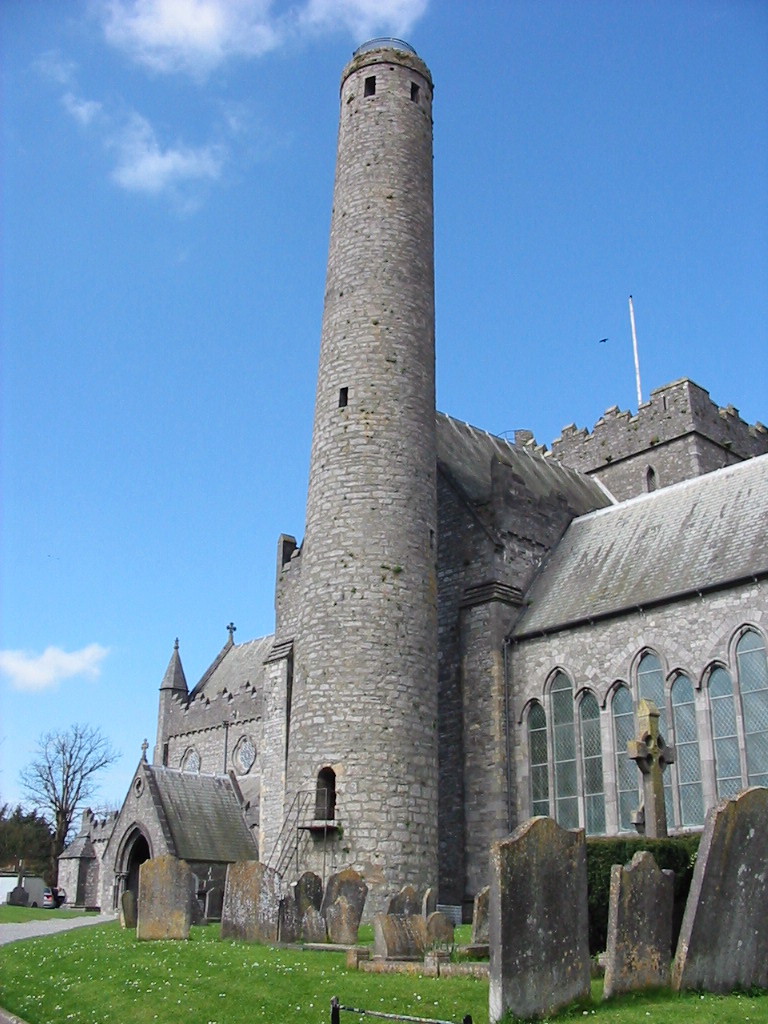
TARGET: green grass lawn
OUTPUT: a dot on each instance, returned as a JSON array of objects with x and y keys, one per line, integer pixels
[
  {"x": 17, "y": 915},
  {"x": 102, "y": 974}
]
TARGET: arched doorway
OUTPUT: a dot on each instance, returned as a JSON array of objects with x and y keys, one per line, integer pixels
[{"x": 136, "y": 851}]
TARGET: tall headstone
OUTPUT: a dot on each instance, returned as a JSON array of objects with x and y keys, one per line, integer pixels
[
  {"x": 638, "y": 948},
  {"x": 343, "y": 905},
  {"x": 289, "y": 922},
  {"x": 723, "y": 943},
  {"x": 308, "y": 892},
  {"x": 313, "y": 926},
  {"x": 429, "y": 901},
  {"x": 651, "y": 755},
  {"x": 400, "y": 937},
  {"x": 166, "y": 892},
  {"x": 128, "y": 909},
  {"x": 538, "y": 927},
  {"x": 406, "y": 902},
  {"x": 251, "y": 908},
  {"x": 480, "y": 917}
]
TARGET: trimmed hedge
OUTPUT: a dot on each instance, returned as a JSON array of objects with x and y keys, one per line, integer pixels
[{"x": 676, "y": 854}]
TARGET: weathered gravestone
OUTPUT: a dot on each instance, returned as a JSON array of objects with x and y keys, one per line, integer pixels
[
  {"x": 480, "y": 917},
  {"x": 289, "y": 924},
  {"x": 342, "y": 920},
  {"x": 251, "y": 908},
  {"x": 651, "y": 755},
  {"x": 166, "y": 892},
  {"x": 429, "y": 902},
  {"x": 308, "y": 892},
  {"x": 639, "y": 926},
  {"x": 538, "y": 928},
  {"x": 313, "y": 925},
  {"x": 406, "y": 902},
  {"x": 343, "y": 905},
  {"x": 18, "y": 896},
  {"x": 440, "y": 931},
  {"x": 397, "y": 937},
  {"x": 723, "y": 942},
  {"x": 128, "y": 909}
]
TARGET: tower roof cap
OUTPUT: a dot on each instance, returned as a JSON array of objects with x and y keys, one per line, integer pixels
[{"x": 384, "y": 43}]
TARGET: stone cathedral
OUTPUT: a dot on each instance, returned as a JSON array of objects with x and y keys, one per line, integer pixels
[{"x": 464, "y": 633}]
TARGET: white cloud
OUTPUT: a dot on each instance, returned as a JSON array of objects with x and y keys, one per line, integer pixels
[
  {"x": 190, "y": 35},
  {"x": 31, "y": 672},
  {"x": 144, "y": 166},
  {"x": 198, "y": 35},
  {"x": 56, "y": 68},
  {"x": 365, "y": 18},
  {"x": 83, "y": 111}
]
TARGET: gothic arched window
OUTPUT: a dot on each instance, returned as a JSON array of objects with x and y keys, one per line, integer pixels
[
  {"x": 190, "y": 761},
  {"x": 724, "y": 733},
  {"x": 592, "y": 764},
  {"x": 687, "y": 759},
  {"x": 564, "y": 744},
  {"x": 538, "y": 762},
  {"x": 623, "y": 717},
  {"x": 753, "y": 684}
]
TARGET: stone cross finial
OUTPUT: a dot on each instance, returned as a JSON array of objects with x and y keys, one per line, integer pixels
[
  {"x": 144, "y": 749},
  {"x": 651, "y": 755},
  {"x": 231, "y": 627}
]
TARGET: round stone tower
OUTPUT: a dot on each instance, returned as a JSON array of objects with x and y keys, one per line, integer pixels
[{"x": 364, "y": 707}]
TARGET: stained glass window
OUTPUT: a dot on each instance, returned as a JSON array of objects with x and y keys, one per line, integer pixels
[
  {"x": 724, "y": 734},
  {"x": 539, "y": 762},
  {"x": 622, "y": 713},
  {"x": 564, "y": 741},
  {"x": 753, "y": 683},
  {"x": 592, "y": 765},
  {"x": 687, "y": 758}
]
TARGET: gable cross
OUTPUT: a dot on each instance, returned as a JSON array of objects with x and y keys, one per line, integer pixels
[
  {"x": 651, "y": 755},
  {"x": 231, "y": 627}
]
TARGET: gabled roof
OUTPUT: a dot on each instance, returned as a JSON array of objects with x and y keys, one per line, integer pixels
[
  {"x": 201, "y": 815},
  {"x": 698, "y": 535},
  {"x": 466, "y": 453},
  {"x": 235, "y": 665}
]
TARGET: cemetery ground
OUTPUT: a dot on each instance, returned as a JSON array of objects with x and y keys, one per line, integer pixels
[
  {"x": 17, "y": 915},
  {"x": 102, "y": 974}
]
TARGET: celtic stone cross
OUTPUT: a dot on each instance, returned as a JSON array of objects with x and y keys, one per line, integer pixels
[{"x": 651, "y": 755}]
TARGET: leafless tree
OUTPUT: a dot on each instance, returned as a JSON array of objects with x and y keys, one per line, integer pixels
[{"x": 61, "y": 777}]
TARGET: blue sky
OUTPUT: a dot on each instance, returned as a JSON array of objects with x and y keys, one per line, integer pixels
[{"x": 167, "y": 174}]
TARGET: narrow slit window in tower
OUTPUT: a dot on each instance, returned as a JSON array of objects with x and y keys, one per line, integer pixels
[
  {"x": 651, "y": 481},
  {"x": 325, "y": 795},
  {"x": 414, "y": 92},
  {"x": 343, "y": 397},
  {"x": 370, "y": 86}
]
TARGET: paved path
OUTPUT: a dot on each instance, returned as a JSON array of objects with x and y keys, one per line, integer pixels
[{"x": 31, "y": 929}]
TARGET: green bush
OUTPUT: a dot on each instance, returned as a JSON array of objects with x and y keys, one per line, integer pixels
[{"x": 676, "y": 854}]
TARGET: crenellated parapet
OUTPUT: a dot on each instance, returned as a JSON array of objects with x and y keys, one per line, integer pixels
[{"x": 672, "y": 411}]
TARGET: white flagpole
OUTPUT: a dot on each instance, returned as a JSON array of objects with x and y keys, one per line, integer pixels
[{"x": 634, "y": 348}]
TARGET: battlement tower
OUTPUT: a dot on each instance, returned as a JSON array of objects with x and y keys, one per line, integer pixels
[{"x": 364, "y": 701}]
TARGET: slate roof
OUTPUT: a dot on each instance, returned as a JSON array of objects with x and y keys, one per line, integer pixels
[
  {"x": 704, "y": 533},
  {"x": 465, "y": 453},
  {"x": 235, "y": 665},
  {"x": 202, "y": 815}
]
